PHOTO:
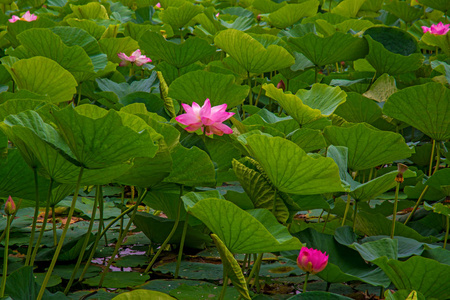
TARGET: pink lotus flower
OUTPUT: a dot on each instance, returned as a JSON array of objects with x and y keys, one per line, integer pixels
[
  {"x": 311, "y": 260},
  {"x": 208, "y": 118},
  {"x": 217, "y": 15},
  {"x": 439, "y": 29},
  {"x": 158, "y": 5},
  {"x": 26, "y": 17},
  {"x": 10, "y": 206},
  {"x": 135, "y": 58}
]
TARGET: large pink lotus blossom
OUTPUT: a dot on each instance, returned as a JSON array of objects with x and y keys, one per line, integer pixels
[
  {"x": 439, "y": 29},
  {"x": 135, "y": 58},
  {"x": 26, "y": 17},
  {"x": 311, "y": 260},
  {"x": 158, "y": 5},
  {"x": 208, "y": 118}
]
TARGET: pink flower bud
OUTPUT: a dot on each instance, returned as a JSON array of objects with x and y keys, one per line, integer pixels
[
  {"x": 158, "y": 5},
  {"x": 281, "y": 85},
  {"x": 311, "y": 260},
  {"x": 10, "y": 206}
]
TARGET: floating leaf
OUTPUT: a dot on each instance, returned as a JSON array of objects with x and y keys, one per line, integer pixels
[
  {"x": 251, "y": 54},
  {"x": 322, "y": 97},
  {"x": 291, "y": 170},
  {"x": 143, "y": 295},
  {"x": 409, "y": 105},
  {"x": 118, "y": 280},
  {"x": 367, "y": 147},
  {"x": 44, "y": 76},
  {"x": 328, "y": 50}
]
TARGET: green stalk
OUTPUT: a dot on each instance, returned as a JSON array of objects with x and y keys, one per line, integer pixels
[
  {"x": 79, "y": 94},
  {"x": 431, "y": 158},
  {"x": 347, "y": 207},
  {"x": 446, "y": 232},
  {"x": 44, "y": 223},
  {"x": 86, "y": 240},
  {"x": 244, "y": 263},
  {"x": 326, "y": 220},
  {"x": 164, "y": 244},
  {"x": 224, "y": 286},
  {"x": 417, "y": 204},
  {"x": 12, "y": 219},
  {"x": 438, "y": 157},
  {"x": 63, "y": 236},
  {"x": 250, "y": 94},
  {"x": 274, "y": 205},
  {"x": 122, "y": 201},
  {"x": 394, "y": 214},
  {"x": 55, "y": 238},
  {"x": 97, "y": 239},
  {"x": 354, "y": 214},
  {"x": 5, "y": 257},
  {"x": 122, "y": 237},
  {"x": 101, "y": 222},
  {"x": 306, "y": 282},
  {"x": 180, "y": 252},
  {"x": 255, "y": 267},
  {"x": 36, "y": 214}
]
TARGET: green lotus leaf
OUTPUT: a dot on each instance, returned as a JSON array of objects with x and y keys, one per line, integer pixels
[
  {"x": 124, "y": 89},
  {"x": 367, "y": 147},
  {"x": 191, "y": 167},
  {"x": 359, "y": 109},
  {"x": 308, "y": 139},
  {"x": 257, "y": 231},
  {"x": 293, "y": 105},
  {"x": 100, "y": 138},
  {"x": 440, "y": 179},
  {"x": 354, "y": 24},
  {"x": 442, "y": 5},
  {"x": 231, "y": 267},
  {"x": 291, "y": 13},
  {"x": 291, "y": 170},
  {"x": 318, "y": 295},
  {"x": 43, "y": 42},
  {"x": 251, "y": 54},
  {"x": 178, "y": 17},
  {"x": 267, "y": 6},
  {"x": 348, "y": 8},
  {"x": 382, "y": 88},
  {"x": 15, "y": 106},
  {"x": 114, "y": 46},
  {"x": 322, "y": 97},
  {"x": 438, "y": 208},
  {"x": 409, "y": 105},
  {"x": 17, "y": 27},
  {"x": 259, "y": 189},
  {"x": 403, "y": 10},
  {"x": 72, "y": 36},
  {"x": 441, "y": 41},
  {"x": 91, "y": 27},
  {"x": 328, "y": 50},
  {"x": 142, "y": 295},
  {"x": 409, "y": 275},
  {"x": 392, "y": 50},
  {"x": 92, "y": 10},
  {"x": 198, "y": 85},
  {"x": 44, "y": 76},
  {"x": 179, "y": 55}
]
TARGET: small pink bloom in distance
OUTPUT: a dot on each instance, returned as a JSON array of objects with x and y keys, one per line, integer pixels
[
  {"x": 135, "y": 58},
  {"x": 26, "y": 17}
]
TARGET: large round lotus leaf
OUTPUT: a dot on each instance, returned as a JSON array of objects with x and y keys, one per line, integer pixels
[
  {"x": 43, "y": 42},
  {"x": 441, "y": 41},
  {"x": 291, "y": 13},
  {"x": 99, "y": 138},
  {"x": 442, "y": 5},
  {"x": 231, "y": 267},
  {"x": 179, "y": 55},
  {"x": 44, "y": 76},
  {"x": 328, "y": 50},
  {"x": 367, "y": 147},
  {"x": 425, "y": 107},
  {"x": 440, "y": 179},
  {"x": 17, "y": 27},
  {"x": 15, "y": 106},
  {"x": 409, "y": 275},
  {"x": 359, "y": 109},
  {"x": 403, "y": 10},
  {"x": 291, "y": 170},
  {"x": 322, "y": 97},
  {"x": 251, "y": 54},
  {"x": 113, "y": 46},
  {"x": 257, "y": 231},
  {"x": 392, "y": 50},
  {"x": 218, "y": 88},
  {"x": 348, "y": 8},
  {"x": 143, "y": 295},
  {"x": 178, "y": 17},
  {"x": 92, "y": 10},
  {"x": 293, "y": 105}
]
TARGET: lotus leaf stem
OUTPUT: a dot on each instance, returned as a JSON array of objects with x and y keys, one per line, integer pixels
[
  {"x": 250, "y": 94},
  {"x": 417, "y": 204},
  {"x": 347, "y": 207},
  {"x": 394, "y": 214},
  {"x": 274, "y": 205},
  {"x": 166, "y": 241},
  {"x": 36, "y": 214},
  {"x": 306, "y": 282},
  {"x": 224, "y": 286},
  {"x": 86, "y": 239},
  {"x": 44, "y": 223},
  {"x": 446, "y": 231},
  {"x": 63, "y": 235},
  {"x": 55, "y": 238},
  {"x": 255, "y": 267},
  {"x": 122, "y": 201},
  {"x": 183, "y": 238},
  {"x": 354, "y": 214},
  {"x": 431, "y": 158},
  {"x": 326, "y": 220}
]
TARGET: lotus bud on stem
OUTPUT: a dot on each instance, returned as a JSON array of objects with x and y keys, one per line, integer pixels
[
  {"x": 311, "y": 261},
  {"x": 399, "y": 180},
  {"x": 10, "y": 209}
]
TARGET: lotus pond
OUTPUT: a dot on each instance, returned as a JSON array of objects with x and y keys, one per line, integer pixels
[{"x": 225, "y": 149}]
